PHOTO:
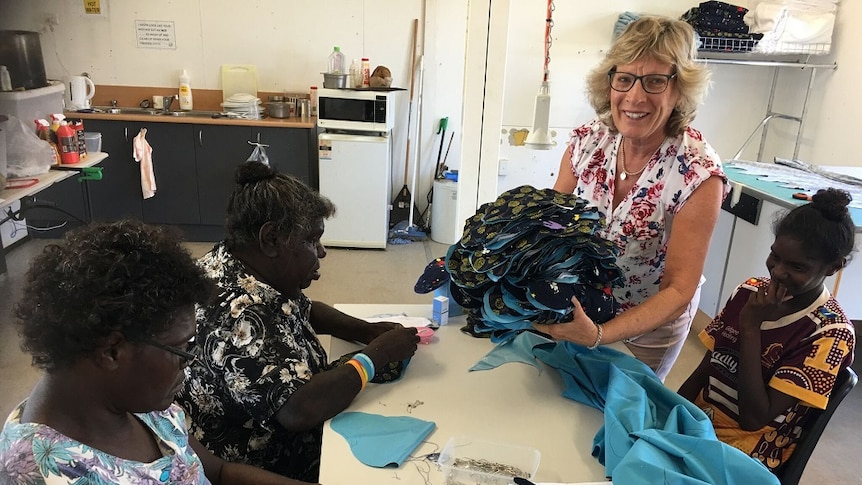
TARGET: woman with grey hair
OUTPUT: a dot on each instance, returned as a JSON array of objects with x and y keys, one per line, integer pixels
[{"x": 657, "y": 181}]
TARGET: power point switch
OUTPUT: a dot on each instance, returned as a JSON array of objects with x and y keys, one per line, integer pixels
[{"x": 503, "y": 167}]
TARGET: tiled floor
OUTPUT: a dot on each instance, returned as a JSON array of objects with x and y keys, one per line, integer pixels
[{"x": 376, "y": 276}]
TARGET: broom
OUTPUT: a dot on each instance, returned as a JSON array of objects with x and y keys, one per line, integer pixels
[{"x": 403, "y": 202}]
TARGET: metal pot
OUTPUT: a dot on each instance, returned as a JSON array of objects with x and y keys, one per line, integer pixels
[
  {"x": 21, "y": 53},
  {"x": 335, "y": 81},
  {"x": 278, "y": 109}
]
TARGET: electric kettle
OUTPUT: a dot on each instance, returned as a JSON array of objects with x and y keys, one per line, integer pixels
[{"x": 80, "y": 92}]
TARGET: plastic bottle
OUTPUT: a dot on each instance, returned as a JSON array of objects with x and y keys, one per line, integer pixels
[
  {"x": 5, "y": 80},
  {"x": 366, "y": 72},
  {"x": 185, "y": 91},
  {"x": 355, "y": 74},
  {"x": 336, "y": 61},
  {"x": 67, "y": 140},
  {"x": 78, "y": 126}
]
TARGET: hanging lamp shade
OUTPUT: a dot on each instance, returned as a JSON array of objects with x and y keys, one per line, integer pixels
[{"x": 539, "y": 137}]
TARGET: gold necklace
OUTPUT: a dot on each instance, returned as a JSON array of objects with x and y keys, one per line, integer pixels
[{"x": 626, "y": 173}]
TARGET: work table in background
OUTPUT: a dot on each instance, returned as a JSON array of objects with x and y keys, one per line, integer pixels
[
  {"x": 43, "y": 182},
  {"x": 743, "y": 235}
]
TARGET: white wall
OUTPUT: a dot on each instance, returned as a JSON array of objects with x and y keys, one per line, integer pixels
[
  {"x": 735, "y": 105},
  {"x": 289, "y": 41}
]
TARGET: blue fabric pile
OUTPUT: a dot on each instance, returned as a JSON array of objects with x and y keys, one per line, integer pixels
[
  {"x": 622, "y": 22},
  {"x": 524, "y": 256},
  {"x": 650, "y": 434}
]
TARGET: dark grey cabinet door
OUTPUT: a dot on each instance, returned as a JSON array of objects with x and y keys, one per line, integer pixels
[
  {"x": 118, "y": 194},
  {"x": 175, "y": 171},
  {"x": 292, "y": 151},
  {"x": 218, "y": 151},
  {"x": 57, "y": 209}
]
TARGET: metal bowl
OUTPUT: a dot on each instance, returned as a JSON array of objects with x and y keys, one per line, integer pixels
[
  {"x": 335, "y": 81},
  {"x": 278, "y": 109}
]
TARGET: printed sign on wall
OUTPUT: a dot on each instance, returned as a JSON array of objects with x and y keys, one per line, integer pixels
[{"x": 155, "y": 34}]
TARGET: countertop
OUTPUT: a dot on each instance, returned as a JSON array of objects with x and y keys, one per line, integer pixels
[
  {"x": 264, "y": 122},
  {"x": 44, "y": 180}
]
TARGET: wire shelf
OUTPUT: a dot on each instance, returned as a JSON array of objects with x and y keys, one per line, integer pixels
[
  {"x": 726, "y": 44},
  {"x": 736, "y": 45}
]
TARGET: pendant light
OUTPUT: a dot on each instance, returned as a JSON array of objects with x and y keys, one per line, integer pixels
[{"x": 539, "y": 137}]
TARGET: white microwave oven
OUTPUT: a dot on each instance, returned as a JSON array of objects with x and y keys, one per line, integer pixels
[{"x": 355, "y": 110}]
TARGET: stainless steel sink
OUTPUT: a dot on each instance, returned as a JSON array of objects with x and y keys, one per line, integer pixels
[
  {"x": 154, "y": 112},
  {"x": 114, "y": 110},
  {"x": 193, "y": 114}
]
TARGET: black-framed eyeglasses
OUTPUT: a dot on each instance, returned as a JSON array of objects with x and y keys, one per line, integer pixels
[
  {"x": 189, "y": 354},
  {"x": 651, "y": 83}
]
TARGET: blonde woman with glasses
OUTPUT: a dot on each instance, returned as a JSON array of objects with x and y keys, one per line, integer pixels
[{"x": 658, "y": 182}]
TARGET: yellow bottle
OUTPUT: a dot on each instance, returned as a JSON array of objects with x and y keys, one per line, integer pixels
[{"x": 185, "y": 91}]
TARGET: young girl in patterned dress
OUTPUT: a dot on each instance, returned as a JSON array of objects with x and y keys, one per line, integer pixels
[{"x": 775, "y": 349}]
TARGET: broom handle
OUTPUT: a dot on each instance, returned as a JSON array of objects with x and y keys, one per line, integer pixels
[{"x": 410, "y": 107}]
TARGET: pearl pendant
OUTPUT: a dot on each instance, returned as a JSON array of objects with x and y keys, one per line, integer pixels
[{"x": 622, "y": 176}]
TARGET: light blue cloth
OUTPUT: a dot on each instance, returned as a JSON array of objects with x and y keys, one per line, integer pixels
[
  {"x": 651, "y": 434},
  {"x": 381, "y": 441}
]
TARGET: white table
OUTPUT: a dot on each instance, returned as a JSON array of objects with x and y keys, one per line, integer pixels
[{"x": 512, "y": 404}]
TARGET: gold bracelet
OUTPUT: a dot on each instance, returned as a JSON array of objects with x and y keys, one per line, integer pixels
[{"x": 598, "y": 337}]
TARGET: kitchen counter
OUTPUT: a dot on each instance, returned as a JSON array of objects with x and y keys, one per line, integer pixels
[{"x": 198, "y": 120}]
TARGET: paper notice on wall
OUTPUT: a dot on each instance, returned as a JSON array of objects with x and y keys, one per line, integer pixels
[
  {"x": 155, "y": 34},
  {"x": 95, "y": 7}
]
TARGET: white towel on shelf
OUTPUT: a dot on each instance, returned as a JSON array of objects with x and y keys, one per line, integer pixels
[
  {"x": 142, "y": 152},
  {"x": 793, "y": 26}
]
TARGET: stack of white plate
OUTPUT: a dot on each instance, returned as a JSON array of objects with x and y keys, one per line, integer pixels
[{"x": 244, "y": 105}]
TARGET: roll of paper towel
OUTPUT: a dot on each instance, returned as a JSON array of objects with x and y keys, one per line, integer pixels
[{"x": 444, "y": 206}]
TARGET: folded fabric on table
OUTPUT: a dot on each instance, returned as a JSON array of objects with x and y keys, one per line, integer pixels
[
  {"x": 650, "y": 434},
  {"x": 524, "y": 256},
  {"x": 381, "y": 441}
]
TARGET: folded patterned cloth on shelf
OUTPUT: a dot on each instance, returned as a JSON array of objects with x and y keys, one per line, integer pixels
[
  {"x": 721, "y": 27},
  {"x": 524, "y": 256}
]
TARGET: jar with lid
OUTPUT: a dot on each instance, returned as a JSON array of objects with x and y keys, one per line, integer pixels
[{"x": 336, "y": 61}]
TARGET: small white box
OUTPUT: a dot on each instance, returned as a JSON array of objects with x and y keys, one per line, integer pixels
[
  {"x": 440, "y": 304},
  {"x": 470, "y": 460}
]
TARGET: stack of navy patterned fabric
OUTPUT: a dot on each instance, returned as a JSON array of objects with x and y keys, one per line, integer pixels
[{"x": 524, "y": 256}]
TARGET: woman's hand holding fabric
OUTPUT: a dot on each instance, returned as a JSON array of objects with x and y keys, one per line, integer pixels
[
  {"x": 580, "y": 329},
  {"x": 379, "y": 328},
  {"x": 392, "y": 345}
]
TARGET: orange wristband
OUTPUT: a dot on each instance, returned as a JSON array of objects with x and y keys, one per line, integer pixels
[{"x": 361, "y": 370}]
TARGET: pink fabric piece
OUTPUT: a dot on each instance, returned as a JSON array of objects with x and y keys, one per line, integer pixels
[{"x": 142, "y": 152}]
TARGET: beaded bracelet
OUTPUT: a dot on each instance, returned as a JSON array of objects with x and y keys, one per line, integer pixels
[
  {"x": 363, "y": 376},
  {"x": 366, "y": 363},
  {"x": 598, "y": 337}
]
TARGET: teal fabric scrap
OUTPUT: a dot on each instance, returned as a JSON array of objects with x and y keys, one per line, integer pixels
[
  {"x": 650, "y": 434},
  {"x": 381, "y": 441},
  {"x": 513, "y": 350}
]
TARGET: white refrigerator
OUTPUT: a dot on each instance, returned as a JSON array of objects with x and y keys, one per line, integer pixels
[{"x": 355, "y": 174}]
